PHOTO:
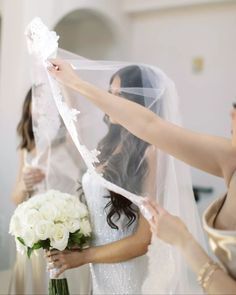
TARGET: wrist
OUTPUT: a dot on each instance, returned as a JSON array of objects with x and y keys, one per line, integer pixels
[
  {"x": 185, "y": 241},
  {"x": 88, "y": 255}
]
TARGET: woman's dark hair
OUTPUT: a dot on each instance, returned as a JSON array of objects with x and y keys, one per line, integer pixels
[
  {"x": 123, "y": 153},
  {"x": 25, "y": 128}
]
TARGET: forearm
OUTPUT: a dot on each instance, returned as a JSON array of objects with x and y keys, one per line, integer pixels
[
  {"x": 196, "y": 257},
  {"x": 119, "y": 251},
  {"x": 19, "y": 194},
  {"x": 209, "y": 153}
]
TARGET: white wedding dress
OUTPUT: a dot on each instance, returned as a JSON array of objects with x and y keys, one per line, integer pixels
[{"x": 113, "y": 278}]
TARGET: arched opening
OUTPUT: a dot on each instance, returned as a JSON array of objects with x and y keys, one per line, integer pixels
[{"x": 89, "y": 34}]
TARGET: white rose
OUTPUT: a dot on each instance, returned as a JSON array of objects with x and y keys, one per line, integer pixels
[
  {"x": 29, "y": 237},
  {"x": 43, "y": 229},
  {"x": 15, "y": 226},
  {"x": 35, "y": 202},
  {"x": 72, "y": 210},
  {"x": 20, "y": 247},
  {"x": 31, "y": 217},
  {"x": 62, "y": 212},
  {"x": 49, "y": 211},
  {"x": 85, "y": 227},
  {"x": 72, "y": 225},
  {"x": 82, "y": 209},
  {"x": 60, "y": 237}
]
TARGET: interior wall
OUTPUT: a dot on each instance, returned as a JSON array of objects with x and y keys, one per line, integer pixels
[
  {"x": 90, "y": 35},
  {"x": 15, "y": 81},
  {"x": 171, "y": 39}
]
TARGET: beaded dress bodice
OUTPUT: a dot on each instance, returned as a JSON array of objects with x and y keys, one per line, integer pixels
[{"x": 111, "y": 278}]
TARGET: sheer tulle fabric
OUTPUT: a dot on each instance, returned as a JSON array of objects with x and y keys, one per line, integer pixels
[{"x": 114, "y": 157}]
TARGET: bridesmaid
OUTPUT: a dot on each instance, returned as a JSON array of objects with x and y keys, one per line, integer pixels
[{"x": 29, "y": 276}]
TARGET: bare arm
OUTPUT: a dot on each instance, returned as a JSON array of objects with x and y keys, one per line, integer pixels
[
  {"x": 19, "y": 193},
  {"x": 125, "y": 249},
  {"x": 196, "y": 257},
  {"x": 172, "y": 230},
  {"x": 122, "y": 250},
  {"x": 212, "y": 154}
]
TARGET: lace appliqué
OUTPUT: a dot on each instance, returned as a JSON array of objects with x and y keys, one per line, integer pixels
[{"x": 42, "y": 43}]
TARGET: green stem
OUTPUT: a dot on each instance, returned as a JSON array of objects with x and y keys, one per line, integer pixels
[{"x": 58, "y": 287}]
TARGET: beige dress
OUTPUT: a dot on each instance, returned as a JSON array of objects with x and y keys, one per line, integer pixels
[
  {"x": 29, "y": 276},
  {"x": 222, "y": 242}
]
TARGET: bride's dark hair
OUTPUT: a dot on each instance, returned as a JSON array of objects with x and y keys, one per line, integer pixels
[{"x": 122, "y": 153}]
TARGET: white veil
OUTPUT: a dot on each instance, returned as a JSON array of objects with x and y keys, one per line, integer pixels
[
  {"x": 117, "y": 159},
  {"x": 55, "y": 153}
]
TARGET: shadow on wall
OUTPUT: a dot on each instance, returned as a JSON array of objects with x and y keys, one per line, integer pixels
[{"x": 89, "y": 34}]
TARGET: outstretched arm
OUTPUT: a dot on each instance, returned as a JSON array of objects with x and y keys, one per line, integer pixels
[
  {"x": 172, "y": 230},
  {"x": 122, "y": 250},
  {"x": 212, "y": 154}
]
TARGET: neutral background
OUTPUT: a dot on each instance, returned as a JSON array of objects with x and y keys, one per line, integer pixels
[{"x": 170, "y": 34}]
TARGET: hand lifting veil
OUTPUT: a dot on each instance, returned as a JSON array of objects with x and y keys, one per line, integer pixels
[{"x": 121, "y": 162}]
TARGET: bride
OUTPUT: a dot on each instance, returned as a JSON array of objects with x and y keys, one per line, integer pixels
[
  {"x": 121, "y": 234},
  {"x": 121, "y": 170}
]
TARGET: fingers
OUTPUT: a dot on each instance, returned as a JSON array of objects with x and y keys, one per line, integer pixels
[
  {"x": 155, "y": 206},
  {"x": 53, "y": 258},
  {"x": 56, "y": 260},
  {"x": 52, "y": 253},
  {"x": 56, "y": 65},
  {"x": 61, "y": 270},
  {"x": 53, "y": 70},
  {"x": 56, "y": 61},
  {"x": 54, "y": 264},
  {"x": 157, "y": 212},
  {"x": 151, "y": 208},
  {"x": 32, "y": 177},
  {"x": 29, "y": 172}
]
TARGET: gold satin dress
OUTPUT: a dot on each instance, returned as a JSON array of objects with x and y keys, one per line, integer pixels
[{"x": 222, "y": 242}]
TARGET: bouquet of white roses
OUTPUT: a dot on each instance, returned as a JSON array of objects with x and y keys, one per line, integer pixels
[{"x": 51, "y": 220}]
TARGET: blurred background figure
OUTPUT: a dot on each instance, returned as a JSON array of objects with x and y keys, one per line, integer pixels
[
  {"x": 28, "y": 176},
  {"x": 191, "y": 40},
  {"x": 29, "y": 276}
]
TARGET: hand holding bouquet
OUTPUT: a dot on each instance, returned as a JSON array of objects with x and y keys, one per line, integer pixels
[{"x": 52, "y": 220}]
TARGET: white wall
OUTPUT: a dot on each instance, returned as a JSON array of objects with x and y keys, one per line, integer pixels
[
  {"x": 170, "y": 39},
  {"x": 134, "y": 6},
  {"x": 15, "y": 81},
  {"x": 90, "y": 35}
]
